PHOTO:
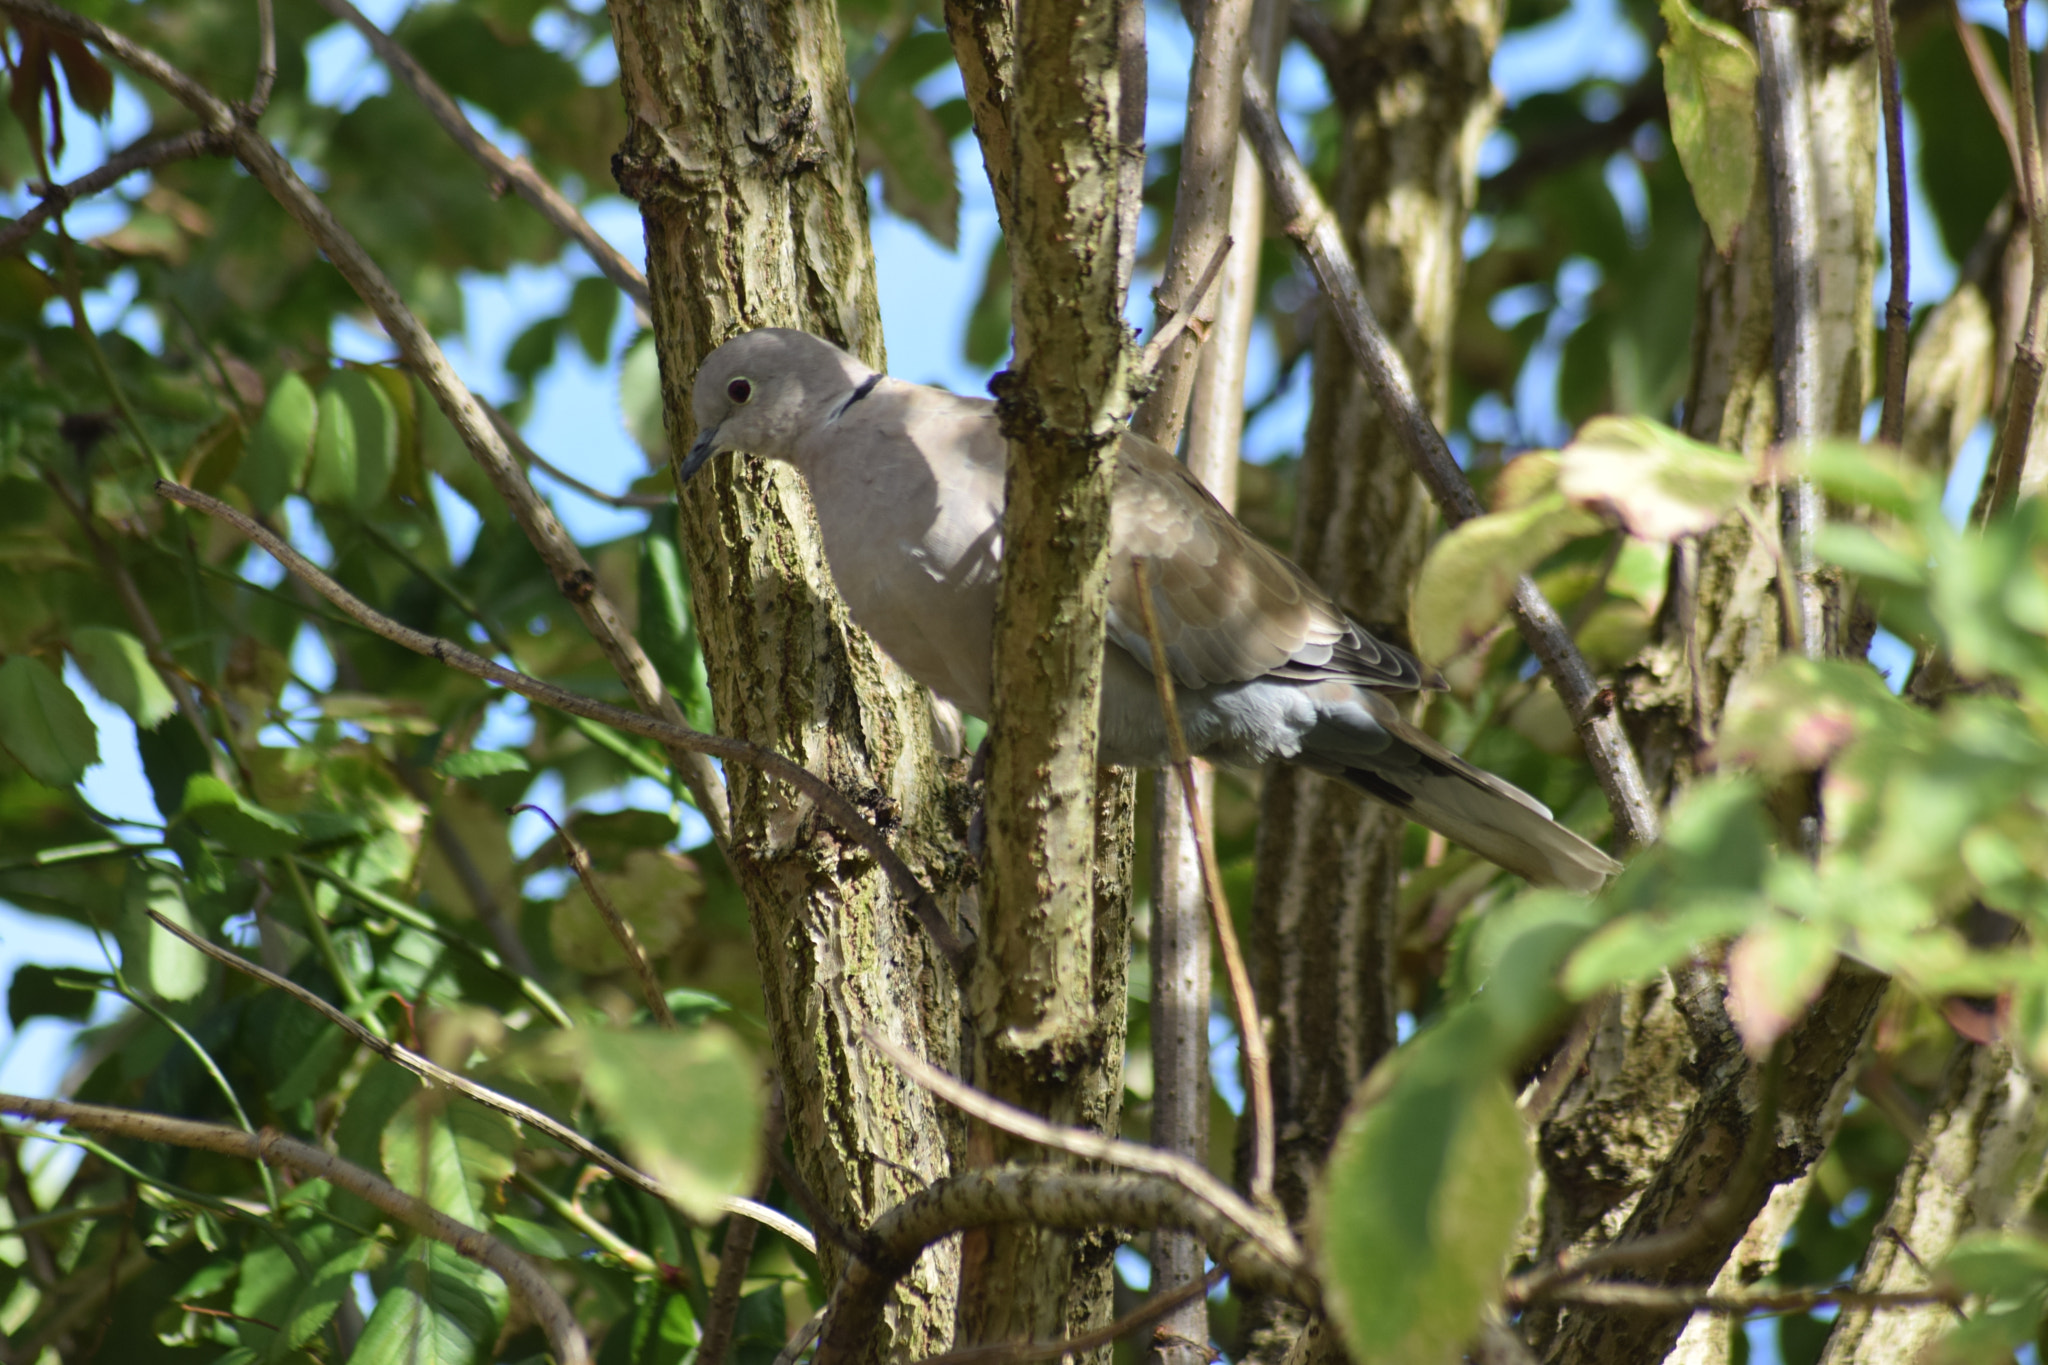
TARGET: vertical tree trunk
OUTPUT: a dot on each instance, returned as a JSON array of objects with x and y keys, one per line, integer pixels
[
  {"x": 1047, "y": 1032},
  {"x": 1416, "y": 99},
  {"x": 1722, "y": 626},
  {"x": 740, "y": 153}
]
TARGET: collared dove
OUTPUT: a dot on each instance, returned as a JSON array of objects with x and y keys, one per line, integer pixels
[{"x": 908, "y": 483}]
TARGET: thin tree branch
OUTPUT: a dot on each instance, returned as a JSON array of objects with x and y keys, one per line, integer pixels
[
  {"x": 436, "y": 1074},
  {"x": 1144, "y": 1315},
  {"x": 118, "y": 167},
  {"x": 1178, "y": 319},
  {"x": 1251, "y": 1036},
  {"x": 1309, "y": 222},
  {"x": 834, "y": 806},
  {"x": 1201, "y": 212},
  {"x": 622, "y": 930},
  {"x": 516, "y": 171},
  {"x": 1681, "y": 1299},
  {"x": 1050, "y": 1197},
  {"x": 424, "y": 357},
  {"x": 984, "y": 37},
  {"x": 528, "y": 455},
  {"x": 1984, "y": 70},
  {"x": 1782, "y": 118},
  {"x": 1253, "y": 1226},
  {"x": 565, "y": 1337},
  {"x": 2015, "y": 434},
  {"x": 737, "y": 1252},
  {"x": 1898, "y": 308},
  {"x": 266, "y": 58}
]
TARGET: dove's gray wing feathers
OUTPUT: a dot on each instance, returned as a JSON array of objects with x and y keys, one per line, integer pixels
[{"x": 908, "y": 484}]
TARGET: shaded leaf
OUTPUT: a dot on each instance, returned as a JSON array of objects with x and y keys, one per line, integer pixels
[
  {"x": 905, "y": 141},
  {"x": 449, "y": 1151},
  {"x": 355, "y": 450},
  {"x": 1416, "y": 1216},
  {"x": 51, "y": 992},
  {"x": 697, "y": 1131},
  {"x": 43, "y": 725},
  {"x": 1710, "y": 84},
  {"x": 593, "y": 307},
  {"x": 472, "y": 763},
  {"x": 281, "y": 445},
  {"x": 243, "y": 826},
  {"x": 118, "y": 667},
  {"x": 152, "y": 955},
  {"x": 439, "y": 1310}
]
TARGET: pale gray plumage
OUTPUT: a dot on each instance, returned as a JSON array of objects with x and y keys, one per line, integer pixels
[{"x": 908, "y": 483}]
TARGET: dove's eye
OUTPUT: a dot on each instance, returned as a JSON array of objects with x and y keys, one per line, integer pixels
[{"x": 739, "y": 391}]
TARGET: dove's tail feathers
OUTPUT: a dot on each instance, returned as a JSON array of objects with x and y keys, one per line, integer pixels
[{"x": 1494, "y": 819}]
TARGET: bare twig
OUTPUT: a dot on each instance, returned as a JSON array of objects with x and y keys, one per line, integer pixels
[
  {"x": 1049, "y": 1197},
  {"x": 423, "y": 356},
  {"x": 141, "y": 157},
  {"x": 1683, "y": 1299},
  {"x": 801, "y": 1342},
  {"x": 1184, "y": 1173},
  {"x": 1178, "y": 319},
  {"x": 579, "y": 863},
  {"x": 1309, "y": 222},
  {"x": 1898, "y": 308},
  {"x": 565, "y": 1337},
  {"x": 1146, "y": 1313},
  {"x": 2016, "y": 432},
  {"x": 1782, "y": 118},
  {"x": 984, "y": 37},
  {"x": 266, "y": 58},
  {"x": 437, "y": 1074},
  {"x": 738, "y": 1250},
  {"x": 528, "y": 455},
  {"x": 515, "y": 171},
  {"x": 1251, "y": 1037},
  {"x": 834, "y": 806},
  {"x": 1991, "y": 85}
]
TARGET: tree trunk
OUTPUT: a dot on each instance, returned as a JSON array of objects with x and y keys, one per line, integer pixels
[
  {"x": 1417, "y": 99},
  {"x": 740, "y": 153},
  {"x": 1720, "y": 627}
]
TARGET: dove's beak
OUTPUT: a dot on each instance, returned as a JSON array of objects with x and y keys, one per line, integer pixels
[{"x": 701, "y": 451}]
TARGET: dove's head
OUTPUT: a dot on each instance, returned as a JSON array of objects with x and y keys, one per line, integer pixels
[{"x": 760, "y": 391}]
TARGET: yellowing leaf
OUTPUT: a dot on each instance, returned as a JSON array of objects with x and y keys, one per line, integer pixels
[
  {"x": 1774, "y": 972},
  {"x": 1710, "y": 86},
  {"x": 1658, "y": 483}
]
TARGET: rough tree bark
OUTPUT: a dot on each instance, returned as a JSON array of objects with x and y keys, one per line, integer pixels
[
  {"x": 1668, "y": 1057},
  {"x": 740, "y": 153},
  {"x": 1416, "y": 99},
  {"x": 1048, "y": 1034}
]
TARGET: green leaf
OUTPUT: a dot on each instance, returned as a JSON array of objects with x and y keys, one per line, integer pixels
[
  {"x": 1659, "y": 484},
  {"x": 1774, "y": 972},
  {"x": 42, "y": 725},
  {"x": 640, "y": 398},
  {"x": 475, "y": 763},
  {"x": 988, "y": 325},
  {"x": 355, "y": 450},
  {"x": 533, "y": 350},
  {"x": 1637, "y": 947},
  {"x": 698, "y": 1130},
  {"x": 2001, "y": 1265},
  {"x": 1870, "y": 476},
  {"x": 39, "y": 992},
  {"x": 152, "y": 955},
  {"x": 439, "y": 1310},
  {"x": 1802, "y": 712},
  {"x": 1710, "y": 86},
  {"x": 271, "y": 1289},
  {"x": 1463, "y": 590},
  {"x": 451, "y": 1152},
  {"x": 666, "y": 625},
  {"x": 693, "y": 1007},
  {"x": 593, "y": 307},
  {"x": 244, "y": 827},
  {"x": 118, "y": 667},
  {"x": 280, "y": 446},
  {"x": 538, "y": 1239},
  {"x": 1417, "y": 1212},
  {"x": 905, "y": 141}
]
